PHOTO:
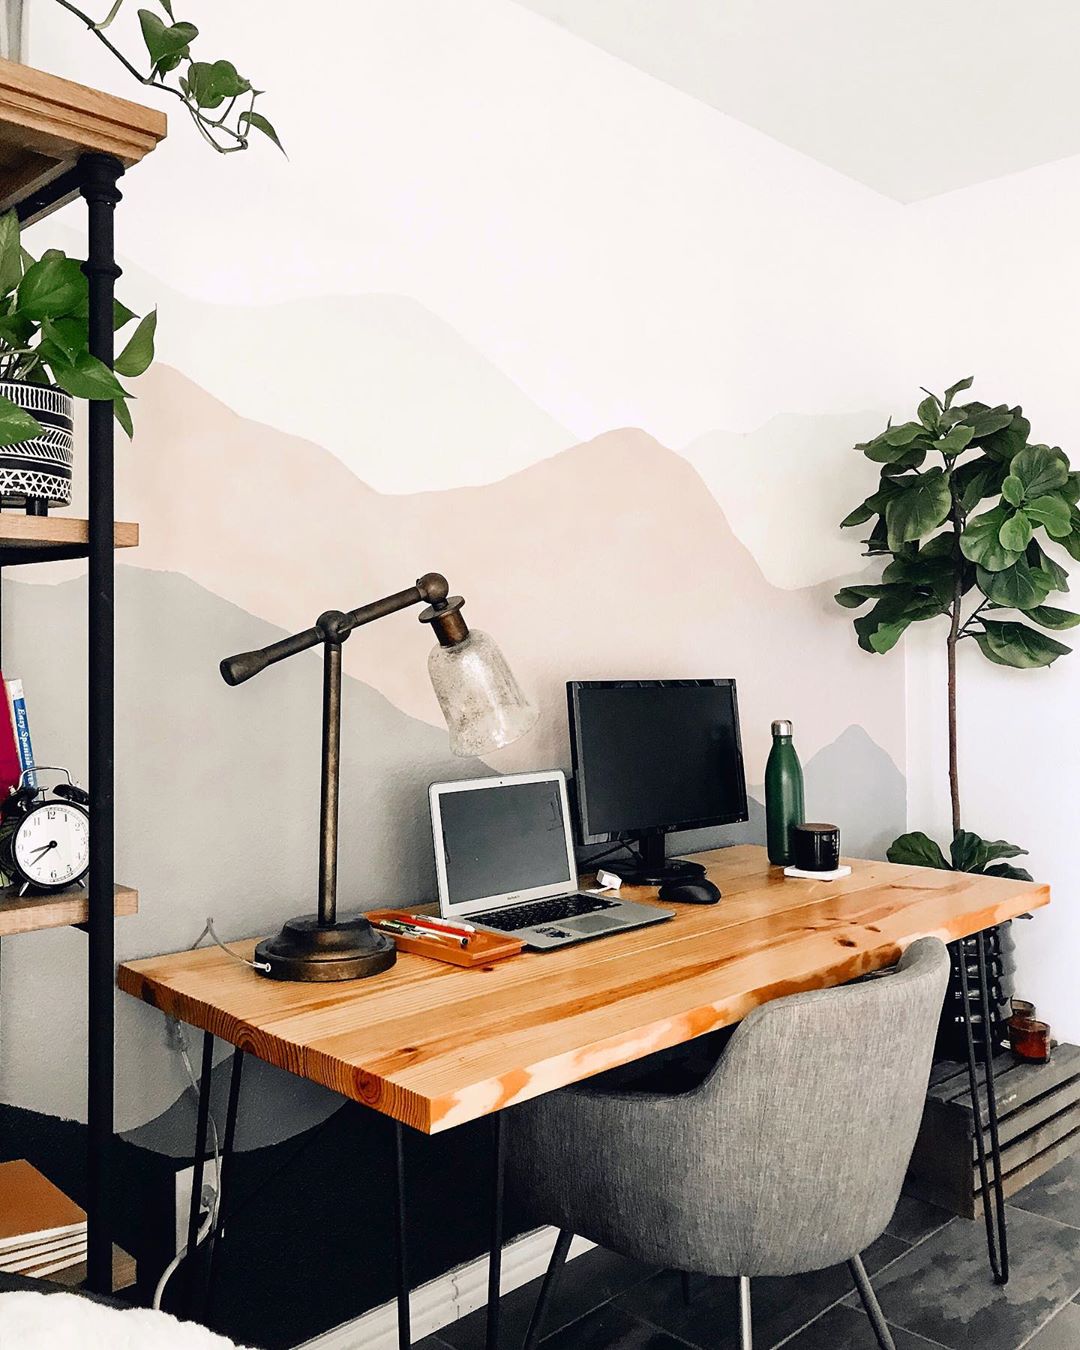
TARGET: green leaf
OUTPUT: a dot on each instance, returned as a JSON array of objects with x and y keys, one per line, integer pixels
[
  {"x": 851, "y": 597},
  {"x": 1052, "y": 512},
  {"x": 971, "y": 853},
  {"x": 881, "y": 629},
  {"x": 1040, "y": 469},
  {"x": 977, "y": 479},
  {"x": 16, "y": 424},
  {"x": 1013, "y": 490},
  {"x": 859, "y": 516},
  {"x": 904, "y": 434},
  {"x": 980, "y": 542},
  {"x": 121, "y": 315},
  {"x": 917, "y": 849},
  {"x": 1046, "y": 616},
  {"x": 1071, "y": 490},
  {"x": 929, "y": 412},
  {"x": 958, "y": 439},
  {"x": 87, "y": 377},
  {"x": 211, "y": 83},
  {"x": 122, "y": 413},
  {"x": 920, "y": 508},
  {"x": 53, "y": 287},
  {"x": 906, "y": 454},
  {"x": 957, "y": 388},
  {"x": 1015, "y": 532},
  {"x": 1003, "y": 445},
  {"x": 1059, "y": 578},
  {"x": 1004, "y": 870},
  {"x": 1017, "y": 645},
  {"x": 139, "y": 352},
  {"x": 260, "y": 123},
  {"x": 986, "y": 423},
  {"x": 67, "y": 336},
  {"x": 167, "y": 44},
  {"x": 1015, "y": 587},
  {"x": 15, "y": 330},
  {"x": 10, "y": 254}
]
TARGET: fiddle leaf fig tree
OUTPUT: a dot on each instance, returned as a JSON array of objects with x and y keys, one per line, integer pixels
[{"x": 967, "y": 516}]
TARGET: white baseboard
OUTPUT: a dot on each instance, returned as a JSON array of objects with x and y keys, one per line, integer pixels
[{"x": 453, "y": 1295}]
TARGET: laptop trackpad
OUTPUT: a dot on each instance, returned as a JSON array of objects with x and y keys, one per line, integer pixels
[{"x": 592, "y": 923}]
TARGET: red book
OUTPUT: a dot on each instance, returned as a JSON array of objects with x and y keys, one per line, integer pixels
[{"x": 10, "y": 766}]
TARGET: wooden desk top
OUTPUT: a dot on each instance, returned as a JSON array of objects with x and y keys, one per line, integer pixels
[{"x": 434, "y": 1045}]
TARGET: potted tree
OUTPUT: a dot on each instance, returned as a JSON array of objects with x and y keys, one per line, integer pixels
[{"x": 970, "y": 518}]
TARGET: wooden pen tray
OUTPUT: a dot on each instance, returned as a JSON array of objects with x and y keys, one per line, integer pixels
[{"x": 483, "y": 948}]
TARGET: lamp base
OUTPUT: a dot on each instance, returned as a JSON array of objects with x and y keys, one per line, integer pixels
[{"x": 305, "y": 950}]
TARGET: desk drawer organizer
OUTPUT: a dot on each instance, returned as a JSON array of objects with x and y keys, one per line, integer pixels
[{"x": 483, "y": 948}]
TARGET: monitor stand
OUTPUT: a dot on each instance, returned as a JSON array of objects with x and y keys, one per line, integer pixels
[{"x": 651, "y": 866}]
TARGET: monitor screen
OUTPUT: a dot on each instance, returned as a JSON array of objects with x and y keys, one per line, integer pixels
[
  {"x": 504, "y": 838},
  {"x": 655, "y": 755}
]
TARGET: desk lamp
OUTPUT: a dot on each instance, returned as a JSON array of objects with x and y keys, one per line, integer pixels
[{"x": 484, "y": 709}]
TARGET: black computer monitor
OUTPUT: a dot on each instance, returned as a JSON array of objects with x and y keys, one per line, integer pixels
[{"x": 652, "y": 756}]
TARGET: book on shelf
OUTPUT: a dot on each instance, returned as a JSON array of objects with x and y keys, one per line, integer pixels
[
  {"x": 35, "y": 1213},
  {"x": 11, "y": 765},
  {"x": 20, "y": 725}
]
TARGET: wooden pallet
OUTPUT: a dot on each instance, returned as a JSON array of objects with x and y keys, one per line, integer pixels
[{"x": 1039, "y": 1124}]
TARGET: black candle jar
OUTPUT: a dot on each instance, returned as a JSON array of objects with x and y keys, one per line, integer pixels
[{"x": 816, "y": 847}]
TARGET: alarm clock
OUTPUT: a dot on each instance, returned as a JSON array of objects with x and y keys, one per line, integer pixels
[{"x": 45, "y": 834}]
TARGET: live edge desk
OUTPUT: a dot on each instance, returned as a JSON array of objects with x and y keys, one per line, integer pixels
[{"x": 434, "y": 1046}]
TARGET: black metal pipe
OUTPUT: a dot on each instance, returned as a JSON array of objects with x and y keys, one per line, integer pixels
[
  {"x": 495, "y": 1261},
  {"x": 328, "y": 794},
  {"x": 401, "y": 1261},
  {"x": 1001, "y": 1275},
  {"x": 547, "y": 1289},
  {"x": 231, "y": 1112},
  {"x": 99, "y": 175},
  {"x": 202, "y": 1123}
]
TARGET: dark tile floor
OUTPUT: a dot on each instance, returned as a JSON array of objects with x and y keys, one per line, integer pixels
[{"x": 930, "y": 1273}]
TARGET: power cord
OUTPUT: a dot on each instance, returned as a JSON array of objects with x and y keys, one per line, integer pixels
[{"x": 209, "y": 931}]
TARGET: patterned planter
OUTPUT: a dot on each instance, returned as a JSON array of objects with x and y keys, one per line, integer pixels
[{"x": 39, "y": 470}]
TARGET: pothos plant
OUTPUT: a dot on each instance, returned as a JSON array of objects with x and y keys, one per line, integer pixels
[
  {"x": 219, "y": 100},
  {"x": 969, "y": 514},
  {"x": 44, "y": 334}
]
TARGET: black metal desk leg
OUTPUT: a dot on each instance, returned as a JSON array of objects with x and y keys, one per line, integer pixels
[
  {"x": 993, "y": 1193},
  {"x": 400, "y": 1250},
  {"x": 495, "y": 1260},
  {"x": 225, "y": 1167},
  {"x": 201, "y": 1127}
]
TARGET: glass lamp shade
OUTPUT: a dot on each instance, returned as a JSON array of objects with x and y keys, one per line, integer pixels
[{"x": 480, "y": 699}]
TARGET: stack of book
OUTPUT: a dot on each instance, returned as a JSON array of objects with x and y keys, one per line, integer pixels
[
  {"x": 16, "y": 750},
  {"x": 42, "y": 1232}
]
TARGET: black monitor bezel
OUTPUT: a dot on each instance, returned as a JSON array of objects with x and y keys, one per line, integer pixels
[{"x": 579, "y": 795}]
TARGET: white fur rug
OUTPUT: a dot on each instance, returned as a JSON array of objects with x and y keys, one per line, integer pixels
[{"x": 68, "y": 1322}]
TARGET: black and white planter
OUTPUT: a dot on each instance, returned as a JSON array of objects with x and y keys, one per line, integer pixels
[{"x": 37, "y": 473}]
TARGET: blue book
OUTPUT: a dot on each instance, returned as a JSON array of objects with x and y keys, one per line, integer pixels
[{"x": 21, "y": 724}]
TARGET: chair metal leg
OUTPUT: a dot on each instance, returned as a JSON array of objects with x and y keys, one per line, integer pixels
[
  {"x": 547, "y": 1289},
  {"x": 404, "y": 1321},
  {"x": 495, "y": 1259},
  {"x": 993, "y": 1191},
  {"x": 226, "y": 1170},
  {"x": 746, "y": 1331},
  {"x": 870, "y": 1303},
  {"x": 202, "y": 1126}
]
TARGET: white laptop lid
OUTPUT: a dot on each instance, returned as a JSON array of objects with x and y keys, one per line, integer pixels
[{"x": 501, "y": 841}]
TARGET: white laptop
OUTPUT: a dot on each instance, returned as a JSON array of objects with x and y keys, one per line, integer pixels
[{"x": 504, "y": 855}]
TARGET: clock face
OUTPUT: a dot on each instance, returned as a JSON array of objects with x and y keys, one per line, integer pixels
[{"x": 52, "y": 845}]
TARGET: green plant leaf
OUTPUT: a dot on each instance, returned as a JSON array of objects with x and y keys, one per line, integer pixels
[
  {"x": 87, "y": 377},
  {"x": 122, "y": 413},
  {"x": 1052, "y": 512},
  {"x": 1003, "y": 445},
  {"x": 139, "y": 352},
  {"x": 1015, "y": 532},
  {"x": 260, "y": 123},
  {"x": 53, "y": 287},
  {"x": 1004, "y": 870},
  {"x": 1071, "y": 490},
  {"x": 851, "y": 597},
  {"x": 1040, "y": 469},
  {"x": 958, "y": 439},
  {"x": 980, "y": 542},
  {"x": 1015, "y": 587},
  {"x": 1046, "y": 616},
  {"x": 11, "y": 269},
  {"x": 859, "y": 516},
  {"x": 984, "y": 423},
  {"x": 16, "y": 424},
  {"x": 917, "y": 849},
  {"x": 210, "y": 83},
  {"x": 1017, "y": 645},
  {"x": 121, "y": 315},
  {"x": 167, "y": 43},
  {"x": 920, "y": 508},
  {"x": 903, "y": 434},
  {"x": 957, "y": 388},
  {"x": 1036, "y": 557},
  {"x": 930, "y": 412},
  {"x": 1012, "y": 489},
  {"x": 970, "y": 852},
  {"x": 66, "y": 336},
  {"x": 977, "y": 479}
]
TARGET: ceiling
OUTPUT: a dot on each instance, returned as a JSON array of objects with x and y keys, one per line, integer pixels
[{"x": 912, "y": 99}]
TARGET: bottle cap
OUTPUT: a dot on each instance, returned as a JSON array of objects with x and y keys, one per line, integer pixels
[{"x": 782, "y": 728}]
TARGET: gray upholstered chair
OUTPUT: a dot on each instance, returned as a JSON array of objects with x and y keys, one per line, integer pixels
[{"x": 788, "y": 1158}]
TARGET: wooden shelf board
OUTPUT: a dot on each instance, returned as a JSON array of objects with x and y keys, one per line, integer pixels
[
  {"x": 47, "y": 122},
  {"x": 30, "y": 913},
  {"x": 26, "y": 539}
]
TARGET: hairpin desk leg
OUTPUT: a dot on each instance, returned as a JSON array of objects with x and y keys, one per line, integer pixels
[
  {"x": 993, "y": 1193},
  {"x": 495, "y": 1262},
  {"x": 400, "y": 1249},
  {"x": 226, "y": 1167},
  {"x": 201, "y": 1128}
]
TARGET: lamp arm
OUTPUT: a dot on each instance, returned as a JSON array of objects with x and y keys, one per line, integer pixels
[{"x": 332, "y": 626}]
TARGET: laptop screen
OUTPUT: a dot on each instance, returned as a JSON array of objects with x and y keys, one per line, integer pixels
[{"x": 503, "y": 839}]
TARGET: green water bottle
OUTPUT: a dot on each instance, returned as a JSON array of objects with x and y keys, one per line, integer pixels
[{"x": 783, "y": 794}]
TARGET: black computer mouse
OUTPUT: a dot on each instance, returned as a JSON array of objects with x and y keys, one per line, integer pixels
[{"x": 700, "y": 891}]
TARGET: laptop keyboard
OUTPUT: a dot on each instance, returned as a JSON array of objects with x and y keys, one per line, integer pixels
[{"x": 543, "y": 911}]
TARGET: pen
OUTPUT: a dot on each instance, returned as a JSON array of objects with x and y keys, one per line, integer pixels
[
  {"x": 411, "y": 930},
  {"x": 442, "y": 925}
]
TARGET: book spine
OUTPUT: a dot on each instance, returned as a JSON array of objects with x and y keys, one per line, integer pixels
[
  {"x": 10, "y": 766},
  {"x": 21, "y": 724}
]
